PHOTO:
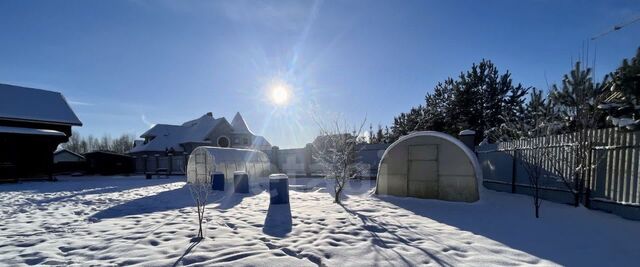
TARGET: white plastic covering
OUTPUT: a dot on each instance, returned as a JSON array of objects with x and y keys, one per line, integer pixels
[
  {"x": 205, "y": 160},
  {"x": 430, "y": 165}
]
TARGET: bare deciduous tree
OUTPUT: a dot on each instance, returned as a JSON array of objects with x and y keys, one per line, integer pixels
[
  {"x": 532, "y": 159},
  {"x": 81, "y": 144},
  {"x": 579, "y": 96},
  {"x": 335, "y": 150},
  {"x": 199, "y": 183},
  {"x": 200, "y": 193}
]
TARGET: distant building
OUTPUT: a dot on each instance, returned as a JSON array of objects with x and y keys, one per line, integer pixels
[
  {"x": 68, "y": 162},
  {"x": 65, "y": 155},
  {"x": 109, "y": 163},
  {"x": 163, "y": 139},
  {"x": 33, "y": 123}
]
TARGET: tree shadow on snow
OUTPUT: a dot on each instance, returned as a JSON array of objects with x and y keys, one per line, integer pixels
[
  {"x": 375, "y": 227},
  {"x": 278, "y": 222},
  {"x": 174, "y": 199},
  {"x": 508, "y": 219},
  {"x": 327, "y": 185},
  {"x": 194, "y": 243}
]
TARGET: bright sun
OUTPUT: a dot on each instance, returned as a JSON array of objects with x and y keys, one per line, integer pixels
[{"x": 280, "y": 95}]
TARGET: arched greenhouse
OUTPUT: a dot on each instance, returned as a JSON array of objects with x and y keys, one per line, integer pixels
[
  {"x": 205, "y": 160},
  {"x": 430, "y": 165}
]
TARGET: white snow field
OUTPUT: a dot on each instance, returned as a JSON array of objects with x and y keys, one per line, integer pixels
[{"x": 107, "y": 221}]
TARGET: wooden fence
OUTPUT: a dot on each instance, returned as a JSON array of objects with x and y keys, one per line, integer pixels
[{"x": 612, "y": 176}]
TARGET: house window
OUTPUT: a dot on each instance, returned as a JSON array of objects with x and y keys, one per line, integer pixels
[
  {"x": 298, "y": 161},
  {"x": 245, "y": 141},
  {"x": 223, "y": 141}
]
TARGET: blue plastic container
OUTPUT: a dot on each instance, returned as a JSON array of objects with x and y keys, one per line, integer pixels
[
  {"x": 240, "y": 182},
  {"x": 217, "y": 181},
  {"x": 279, "y": 188}
]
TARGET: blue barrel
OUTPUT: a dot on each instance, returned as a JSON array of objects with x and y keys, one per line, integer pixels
[
  {"x": 279, "y": 188},
  {"x": 240, "y": 182},
  {"x": 217, "y": 181}
]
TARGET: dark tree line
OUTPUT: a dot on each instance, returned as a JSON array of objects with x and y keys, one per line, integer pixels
[
  {"x": 491, "y": 103},
  {"x": 480, "y": 99},
  {"x": 83, "y": 144}
]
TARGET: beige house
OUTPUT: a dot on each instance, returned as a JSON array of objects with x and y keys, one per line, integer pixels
[{"x": 430, "y": 165}]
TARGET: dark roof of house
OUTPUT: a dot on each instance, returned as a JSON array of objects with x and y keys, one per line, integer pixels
[{"x": 35, "y": 105}]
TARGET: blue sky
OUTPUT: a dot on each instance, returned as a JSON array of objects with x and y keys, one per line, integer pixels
[{"x": 125, "y": 65}]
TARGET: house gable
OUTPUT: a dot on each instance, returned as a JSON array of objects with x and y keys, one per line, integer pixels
[{"x": 222, "y": 129}]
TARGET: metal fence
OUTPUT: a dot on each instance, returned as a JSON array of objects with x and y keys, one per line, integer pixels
[
  {"x": 612, "y": 182},
  {"x": 294, "y": 162}
]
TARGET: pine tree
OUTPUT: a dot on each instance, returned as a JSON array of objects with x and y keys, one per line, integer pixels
[
  {"x": 626, "y": 80},
  {"x": 388, "y": 138},
  {"x": 437, "y": 110},
  {"x": 577, "y": 99},
  {"x": 380, "y": 135},
  {"x": 480, "y": 99}
]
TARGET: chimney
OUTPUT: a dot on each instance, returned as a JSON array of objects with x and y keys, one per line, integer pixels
[{"x": 468, "y": 138}]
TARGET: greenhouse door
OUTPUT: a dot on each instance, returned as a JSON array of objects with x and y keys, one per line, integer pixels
[{"x": 422, "y": 178}]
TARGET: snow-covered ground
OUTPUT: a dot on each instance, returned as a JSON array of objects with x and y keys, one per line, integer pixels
[{"x": 130, "y": 220}]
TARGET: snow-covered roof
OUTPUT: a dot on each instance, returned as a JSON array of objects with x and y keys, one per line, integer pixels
[
  {"x": 28, "y": 104},
  {"x": 30, "y": 131},
  {"x": 467, "y": 132},
  {"x": 623, "y": 122},
  {"x": 260, "y": 143},
  {"x": 171, "y": 136},
  {"x": 161, "y": 129},
  {"x": 67, "y": 151},
  {"x": 239, "y": 125},
  {"x": 166, "y": 136}
]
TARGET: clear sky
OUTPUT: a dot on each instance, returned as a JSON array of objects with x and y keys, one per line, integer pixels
[{"x": 126, "y": 65}]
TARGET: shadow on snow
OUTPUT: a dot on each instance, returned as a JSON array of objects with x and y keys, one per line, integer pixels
[
  {"x": 278, "y": 222},
  {"x": 567, "y": 231},
  {"x": 174, "y": 199}
]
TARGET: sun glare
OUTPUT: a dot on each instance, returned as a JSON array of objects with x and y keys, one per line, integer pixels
[{"x": 280, "y": 95}]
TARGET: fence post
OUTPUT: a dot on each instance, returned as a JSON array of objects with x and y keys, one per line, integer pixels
[
  {"x": 514, "y": 170},
  {"x": 601, "y": 173}
]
